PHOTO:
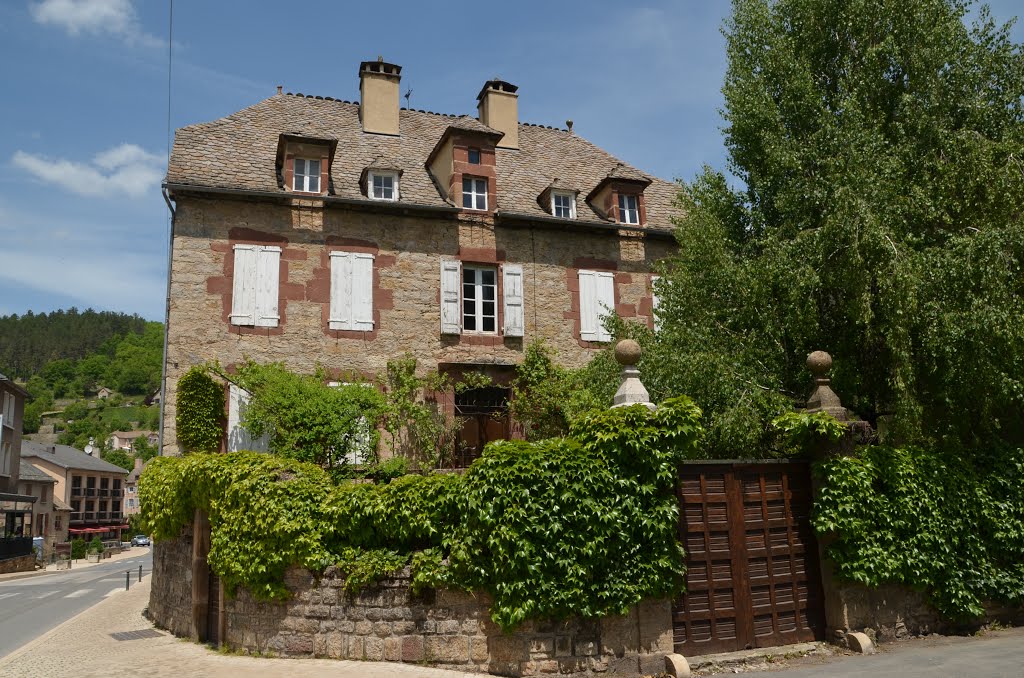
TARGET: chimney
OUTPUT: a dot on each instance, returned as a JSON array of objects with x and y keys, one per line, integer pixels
[
  {"x": 138, "y": 465},
  {"x": 498, "y": 106},
  {"x": 378, "y": 96}
]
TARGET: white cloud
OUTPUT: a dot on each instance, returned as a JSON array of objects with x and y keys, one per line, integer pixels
[
  {"x": 94, "y": 17},
  {"x": 123, "y": 170}
]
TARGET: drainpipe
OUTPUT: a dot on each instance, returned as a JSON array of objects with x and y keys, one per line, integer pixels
[{"x": 167, "y": 318}]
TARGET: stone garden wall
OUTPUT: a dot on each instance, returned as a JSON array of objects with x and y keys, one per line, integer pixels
[{"x": 386, "y": 622}]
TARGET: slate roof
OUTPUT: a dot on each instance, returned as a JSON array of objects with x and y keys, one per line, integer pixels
[
  {"x": 67, "y": 457},
  {"x": 239, "y": 152},
  {"x": 30, "y": 473}
]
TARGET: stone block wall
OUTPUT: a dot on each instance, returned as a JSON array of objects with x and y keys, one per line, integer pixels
[
  {"x": 386, "y": 622},
  {"x": 19, "y": 564}
]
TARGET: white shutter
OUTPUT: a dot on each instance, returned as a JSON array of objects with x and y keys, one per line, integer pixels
[
  {"x": 655, "y": 302},
  {"x": 588, "y": 306},
  {"x": 268, "y": 273},
  {"x": 243, "y": 292},
  {"x": 238, "y": 437},
  {"x": 605, "y": 301},
  {"x": 341, "y": 291},
  {"x": 513, "y": 292},
  {"x": 451, "y": 279},
  {"x": 362, "y": 292}
]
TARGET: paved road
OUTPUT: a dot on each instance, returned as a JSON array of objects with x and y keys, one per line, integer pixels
[
  {"x": 32, "y": 606},
  {"x": 993, "y": 655}
]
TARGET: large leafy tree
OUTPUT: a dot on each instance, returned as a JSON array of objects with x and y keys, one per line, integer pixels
[{"x": 879, "y": 215}]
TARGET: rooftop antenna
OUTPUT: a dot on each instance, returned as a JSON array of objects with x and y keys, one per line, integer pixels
[{"x": 408, "y": 95}]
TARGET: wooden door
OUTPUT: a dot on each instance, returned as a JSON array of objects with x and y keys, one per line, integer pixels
[
  {"x": 752, "y": 567},
  {"x": 213, "y": 611}
]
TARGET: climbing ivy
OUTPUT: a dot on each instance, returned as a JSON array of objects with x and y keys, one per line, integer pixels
[
  {"x": 200, "y": 411},
  {"x": 927, "y": 520},
  {"x": 583, "y": 525}
]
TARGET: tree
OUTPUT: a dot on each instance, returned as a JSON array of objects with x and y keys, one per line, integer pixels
[
  {"x": 119, "y": 458},
  {"x": 880, "y": 217}
]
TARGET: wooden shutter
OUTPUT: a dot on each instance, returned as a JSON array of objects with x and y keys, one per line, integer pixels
[
  {"x": 238, "y": 437},
  {"x": 362, "y": 292},
  {"x": 589, "y": 321},
  {"x": 451, "y": 279},
  {"x": 243, "y": 292},
  {"x": 268, "y": 273},
  {"x": 605, "y": 293},
  {"x": 513, "y": 292},
  {"x": 341, "y": 291}
]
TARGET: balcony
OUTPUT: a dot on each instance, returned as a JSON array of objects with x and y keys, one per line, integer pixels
[
  {"x": 101, "y": 515},
  {"x": 104, "y": 492},
  {"x": 90, "y": 491},
  {"x": 116, "y": 493},
  {"x": 89, "y": 515},
  {"x": 78, "y": 491},
  {"x": 77, "y": 517},
  {"x": 116, "y": 515}
]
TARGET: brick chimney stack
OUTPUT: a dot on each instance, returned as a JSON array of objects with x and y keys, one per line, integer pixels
[{"x": 378, "y": 96}]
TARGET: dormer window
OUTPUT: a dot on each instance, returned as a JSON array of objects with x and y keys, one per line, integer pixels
[
  {"x": 629, "y": 211},
  {"x": 306, "y": 177},
  {"x": 474, "y": 156},
  {"x": 383, "y": 185},
  {"x": 563, "y": 204},
  {"x": 474, "y": 193}
]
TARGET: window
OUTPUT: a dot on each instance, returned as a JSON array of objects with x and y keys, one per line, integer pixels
[
  {"x": 474, "y": 156},
  {"x": 383, "y": 186},
  {"x": 628, "y": 211},
  {"x": 474, "y": 193},
  {"x": 479, "y": 303},
  {"x": 563, "y": 205},
  {"x": 307, "y": 176},
  {"x": 597, "y": 298},
  {"x": 8, "y": 411},
  {"x": 351, "y": 291},
  {"x": 238, "y": 437},
  {"x": 255, "y": 286},
  {"x": 469, "y": 298},
  {"x": 56, "y": 522}
]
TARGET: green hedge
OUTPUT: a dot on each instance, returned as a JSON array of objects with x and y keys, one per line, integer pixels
[
  {"x": 929, "y": 521},
  {"x": 584, "y": 525}
]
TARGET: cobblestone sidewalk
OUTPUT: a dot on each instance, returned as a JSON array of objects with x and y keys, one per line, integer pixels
[{"x": 89, "y": 646}]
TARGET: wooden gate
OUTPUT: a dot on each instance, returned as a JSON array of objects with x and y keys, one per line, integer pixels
[{"x": 752, "y": 560}]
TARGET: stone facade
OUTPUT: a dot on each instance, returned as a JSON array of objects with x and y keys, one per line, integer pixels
[
  {"x": 408, "y": 250},
  {"x": 388, "y": 623},
  {"x": 19, "y": 564}
]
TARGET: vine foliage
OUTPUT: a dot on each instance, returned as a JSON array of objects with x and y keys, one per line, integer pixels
[
  {"x": 929, "y": 521},
  {"x": 200, "y": 411}
]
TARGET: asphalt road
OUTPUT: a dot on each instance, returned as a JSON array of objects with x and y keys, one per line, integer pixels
[
  {"x": 998, "y": 654},
  {"x": 32, "y": 606}
]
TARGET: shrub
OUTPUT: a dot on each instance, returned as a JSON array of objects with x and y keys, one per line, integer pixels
[{"x": 200, "y": 411}]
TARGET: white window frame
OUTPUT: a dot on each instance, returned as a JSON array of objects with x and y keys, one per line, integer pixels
[
  {"x": 655, "y": 302},
  {"x": 478, "y": 300},
  {"x": 371, "y": 188},
  {"x": 351, "y": 306},
  {"x": 476, "y": 197},
  {"x": 255, "y": 300},
  {"x": 572, "y": 204},
  {"x": 627, "y": 214},
  {"x": 301, "y": 181},
  {"x": 597, "y": 298}
]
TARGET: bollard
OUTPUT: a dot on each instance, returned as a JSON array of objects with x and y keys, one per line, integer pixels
[
  {"x": 140, "y": 573},
  {"x": 127, "y": 578}
]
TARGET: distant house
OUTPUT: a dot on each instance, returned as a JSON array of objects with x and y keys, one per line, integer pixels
[
  {"x": 125, "y": 440},
  {"x": 104, "y": 393},
  {"x": 153, "y": 399},
  {"x": 93, "y": 488},
  {"x": 15, "y": 508},
  {"x": 131, "y": 489},
  {"x": 50, "y": 516}
]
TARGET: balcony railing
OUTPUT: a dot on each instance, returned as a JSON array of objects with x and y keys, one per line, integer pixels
[
  {"x": 116, "y": 515},
  {"x": 77, "y": 517},
  {"x": 116, "y": 493},
  {"x": 101, "y": 515},
  {"x": 104, "y": 492},
  {"x": 89, "y": 515},
  {"x": 78, "y": 491},
  {"x": 90, "y": 491}
]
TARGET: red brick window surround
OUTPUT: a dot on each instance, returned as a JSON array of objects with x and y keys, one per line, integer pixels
[
  {"x": 463, "y": 168},
  {"x": 629, "y": 207},
  {"x": 305, "y": 167},
  {"x": 602, "y": 279},
  {"x": 224, "y": 285},
  {"x": 362, "y": 325},
  {"x": 481, "y": 297}
]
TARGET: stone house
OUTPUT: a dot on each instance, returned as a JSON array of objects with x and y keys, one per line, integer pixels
[
  {"x": 125, "y": 440},
  {"x": 15, "y": 507},
  {"x": 50, "y": 515},
  {"x": 131, "y": 489},
  {"x": 91, "y": 487},
  {"x": 309, "y": 230}
]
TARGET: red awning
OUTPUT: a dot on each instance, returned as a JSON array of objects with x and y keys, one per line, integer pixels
[{"x": 96, "y": 530}]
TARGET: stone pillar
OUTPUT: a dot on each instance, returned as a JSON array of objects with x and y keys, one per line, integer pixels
[{"x": 631, "y": 390}]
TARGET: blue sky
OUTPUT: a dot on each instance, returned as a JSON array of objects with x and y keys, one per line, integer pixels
[{"x": 82, "y": 222}]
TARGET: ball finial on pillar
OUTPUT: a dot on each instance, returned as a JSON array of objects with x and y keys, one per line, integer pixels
[
  {"x": 627, "y": 352},
  {"x": 631, "y": 390}
]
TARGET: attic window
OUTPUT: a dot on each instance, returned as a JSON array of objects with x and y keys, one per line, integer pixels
[
  {"x": 629, "y": 212},
  {"x": 563, "y": 204},
  {"x": 474, "y": 156},
  {"x": 474, "y": 193},
  {"x": 307, "y": 175},
  {"x": 383, "y": 185}
]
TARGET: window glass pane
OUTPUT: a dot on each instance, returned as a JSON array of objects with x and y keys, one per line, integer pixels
[
  {"x": 467, "y": 185},
  {"x": 488, "y": 308},
  {"x": 488, "y": 325},
  {"x": 469, "y": 321},
  {"x": 488, "y": 275},
  {"x": 314, "y": 183},
  {"x": 314, "y": 167},
  {"x": 467, "y": 200},
  {"x": 474, "y": 156},
  {"x": 481, "y": 186}
]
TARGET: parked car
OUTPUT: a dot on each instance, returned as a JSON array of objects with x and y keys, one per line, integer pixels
[{"x": 140, "y": 540}]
